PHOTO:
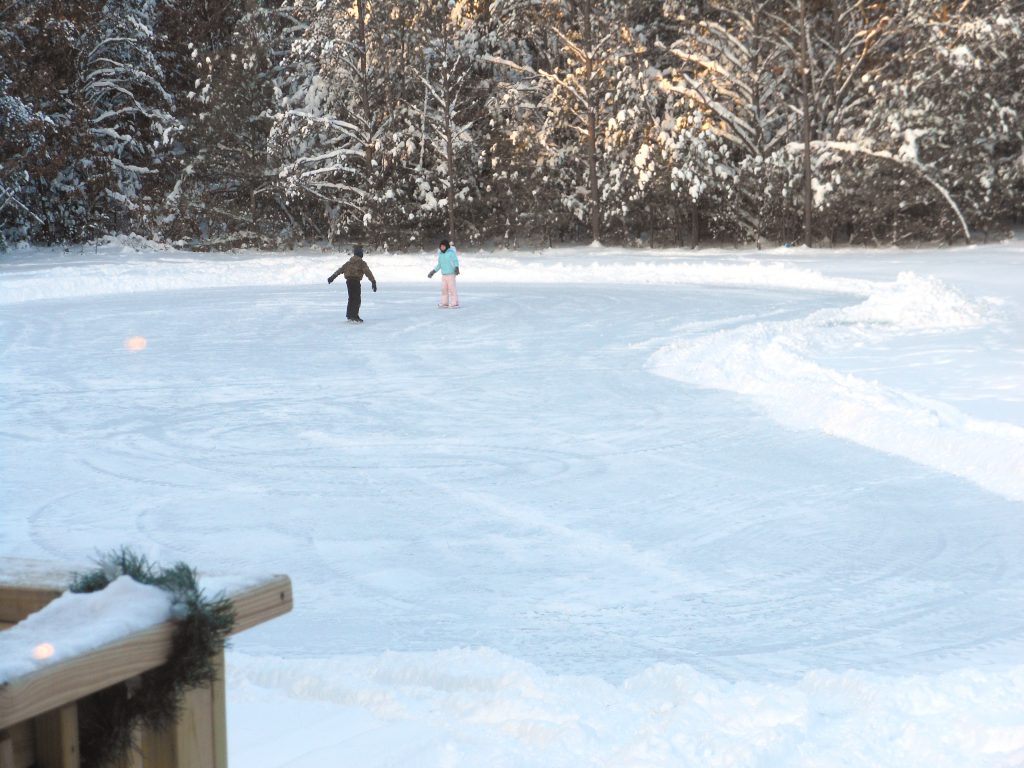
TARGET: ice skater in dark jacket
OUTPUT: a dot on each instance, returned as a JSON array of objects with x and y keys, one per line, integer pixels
[{"x": 353, "y": 270}]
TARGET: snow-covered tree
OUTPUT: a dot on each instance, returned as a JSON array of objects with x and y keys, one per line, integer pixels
[
  {"x": 514, "y": 202},
  {"x": 730, "y": 62},
  {"x": 22, "y": 134},
  {"x": 237, "y": 121},
  {"x": 449, "y": 108},
  {"x": 336, "y": 134},
  {"x": 948, "y": 107},
  {"x": 835, "y": 41},
  {"x": 42, "y": 134},
  {"x": 633, "y": 160},
  {"x": 576, "y": 87},
  {"x": 701, "y": 174},
  {"x": 842, "y": 49},
  {"x": 131, "y": 113},
  {"x": 220, "y": 195}
]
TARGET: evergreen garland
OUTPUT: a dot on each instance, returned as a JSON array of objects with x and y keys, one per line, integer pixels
[{"x": 108, "y": 719}]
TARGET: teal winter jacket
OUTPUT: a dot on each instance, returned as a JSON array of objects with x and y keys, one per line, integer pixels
[{"x": 447, "y": 261}]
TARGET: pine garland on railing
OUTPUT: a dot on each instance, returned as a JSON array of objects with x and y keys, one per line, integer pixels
[{"x": 108, "y": 720}]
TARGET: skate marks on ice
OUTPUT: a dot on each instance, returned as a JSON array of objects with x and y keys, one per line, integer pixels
[
  {"x": 824, "y": 581},
  {"x": 523, "y": 485}
]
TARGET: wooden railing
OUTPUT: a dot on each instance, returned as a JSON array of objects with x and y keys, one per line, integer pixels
[{"x": 38, "y": 710}]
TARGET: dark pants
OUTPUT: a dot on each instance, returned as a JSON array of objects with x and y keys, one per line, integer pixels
[{"x": 355, "y": 298}]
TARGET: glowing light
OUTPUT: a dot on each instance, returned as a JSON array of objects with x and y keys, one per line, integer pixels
[
  {"x": 135, "y": 343},
  {"x": 42, "y": 651}
]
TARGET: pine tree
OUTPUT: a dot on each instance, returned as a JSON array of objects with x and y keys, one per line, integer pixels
[
  {"x": 636, "y": 164},
  {"x": 220, "y": 196},
  {"x": 338, "y": 135},
  {"x": 515, "y": 200},
  {"x": 446, "y": 103},
  {"x": 44, "y": 160},
  {"x": 222, "y": 122},
  {"x": 730, "y": 62},
  {"x": 24, "y": 133},
  {"x": 131, "y": 113}
]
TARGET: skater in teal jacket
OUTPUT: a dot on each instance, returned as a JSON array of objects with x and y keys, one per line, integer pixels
[{"x": 448, "y": 266}]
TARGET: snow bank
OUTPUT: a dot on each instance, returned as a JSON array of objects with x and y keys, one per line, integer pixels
[
  {"x": 41, "y": 274},
  {"x": 76, "y": 623},
  {"x": 774, "y": 363},
  {"x": 478, "y": 707}
]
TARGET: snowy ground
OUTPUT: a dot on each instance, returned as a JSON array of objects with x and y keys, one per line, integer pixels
[{"x": 625, "y": 508}]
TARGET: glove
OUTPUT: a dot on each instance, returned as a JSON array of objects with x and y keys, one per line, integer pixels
[
  {"x": 430, "y": 273},
  {"x": 330, "y": 280},
  {"x": 374, "y": 286},
  {"x": 456, "y": 270}
]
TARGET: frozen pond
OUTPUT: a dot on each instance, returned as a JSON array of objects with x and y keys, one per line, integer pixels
[{"x": 515, "y": 477}]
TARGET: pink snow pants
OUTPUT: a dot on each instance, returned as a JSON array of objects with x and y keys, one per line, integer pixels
[{"x": 449, "y": 293}]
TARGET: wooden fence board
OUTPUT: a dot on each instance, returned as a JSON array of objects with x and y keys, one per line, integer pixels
[
  {"x": 73, "y": 679},
  {"x": 18, "y": 602},
  {"x": 261, "y": 603},
  {"x": 63, "y": 682}
]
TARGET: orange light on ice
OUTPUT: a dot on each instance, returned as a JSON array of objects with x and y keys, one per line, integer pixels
[{"x": 135, "y": 343}]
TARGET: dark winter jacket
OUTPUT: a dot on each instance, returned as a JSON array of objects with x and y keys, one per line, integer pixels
[{"x": 354, "y": 269}]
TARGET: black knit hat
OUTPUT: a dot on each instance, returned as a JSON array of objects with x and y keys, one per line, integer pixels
[
  {"x": 445, "y": 243},
  {"x": 358, "y": 251}
]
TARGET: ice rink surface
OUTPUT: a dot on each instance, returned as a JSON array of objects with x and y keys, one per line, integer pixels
[{"x": 616, "y": 510}]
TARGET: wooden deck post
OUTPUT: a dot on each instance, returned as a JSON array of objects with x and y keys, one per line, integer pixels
[
  {"x": 219, "y": 689},
  {"x": 6, "y": 752},
  {"x": 192, "y": 741},
  {"x": 56, "y": 735},
  {"x": 17, "y": 746}
]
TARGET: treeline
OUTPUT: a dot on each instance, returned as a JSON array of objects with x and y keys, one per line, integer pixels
[{"x": 218, "y": 123}]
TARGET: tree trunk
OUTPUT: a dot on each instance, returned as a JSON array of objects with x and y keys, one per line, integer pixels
[
  {"x": 595, "y": 193},
  {"x": 805, "y": 87},
  {"x": 449, "y": 132},
  {"x": 450, "y": 156},
  {"x": 364, "y": 87},
  {"x": 756, "y": 66}
]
